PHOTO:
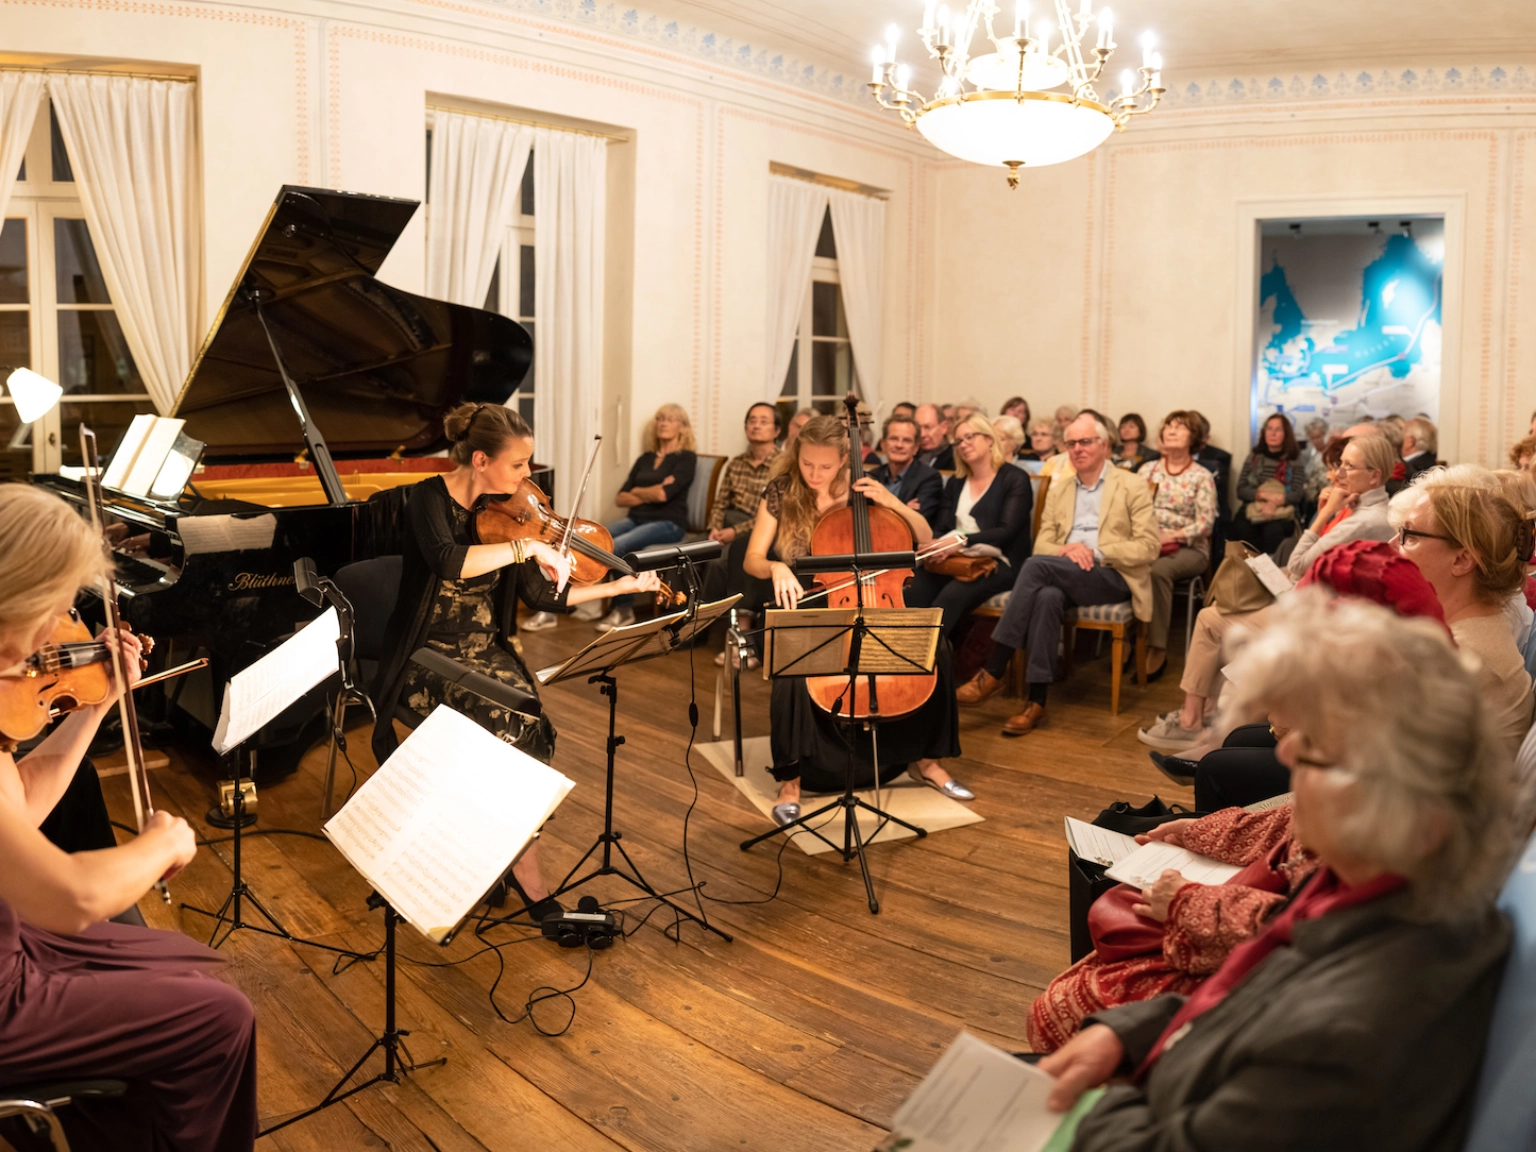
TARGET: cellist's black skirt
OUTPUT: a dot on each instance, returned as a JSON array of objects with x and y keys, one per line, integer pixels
[{"x": 810, "y": 744}]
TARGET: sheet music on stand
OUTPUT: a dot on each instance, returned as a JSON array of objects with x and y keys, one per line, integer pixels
[
  {"x": 642, "y": 641},
  {"x": 443, "y": 818},
  {"x": 256, "y": 695},
  {"x": 817, "y": 641}
]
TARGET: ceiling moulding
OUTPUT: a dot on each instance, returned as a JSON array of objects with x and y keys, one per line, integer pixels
[
  {"x": 627, "y": 22},
  {"x": 1324, "y": 85}
]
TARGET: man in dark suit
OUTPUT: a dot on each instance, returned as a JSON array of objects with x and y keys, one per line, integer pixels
[
  {"x": 1420, "y": 441},
  {"x": 908, "y": 478},
  {"x": 933, "y": 446}
]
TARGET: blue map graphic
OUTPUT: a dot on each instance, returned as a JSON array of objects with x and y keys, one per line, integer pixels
[{"x": 1396, "y": 331}]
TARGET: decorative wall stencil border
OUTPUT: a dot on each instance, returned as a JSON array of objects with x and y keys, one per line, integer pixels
[
  {"x": 1489, "y": 136},
  {"x": 300, "y": 28},
  {"x": 1514, "y": 431},
  {"x": 627, "y": 25},
  {"x": 512, "y": 60},
  {"x": 912, "y": 268},
  {"x": 1350, "y": 85}
]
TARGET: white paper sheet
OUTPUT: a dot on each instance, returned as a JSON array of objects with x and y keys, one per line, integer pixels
[
  {"x": 443, "y": 818},
  {"x": 1090, "y": 842},
  {"x": 225, "y": 533},
  {"x": 980, "y": 1099},
  {"x": 1270, "y": 575},
  {"x": 255, "y": 696},
  {"x": 127, "y": 450},
  {"x": 1143, "y": 866},
  {"x": 151, "y": 457}
]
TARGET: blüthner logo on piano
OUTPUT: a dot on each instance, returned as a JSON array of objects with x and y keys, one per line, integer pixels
[{"x": 247, "y": 581}]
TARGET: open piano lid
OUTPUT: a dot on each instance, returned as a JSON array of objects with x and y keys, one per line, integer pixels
[{"x": 378, "y": 367}]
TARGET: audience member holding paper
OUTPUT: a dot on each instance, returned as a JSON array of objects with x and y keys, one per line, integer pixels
[
  {"x": 1357, "y": 1017},
  {"x": 460, "y": 598},
  {"x": 83, "y": 998},
  {"x": 1353, "y": 509}
]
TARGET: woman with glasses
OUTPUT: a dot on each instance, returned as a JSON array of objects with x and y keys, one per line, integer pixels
[
  {"x": 1473, "y": 544},
  {"x": 1354, "y": 508},
  {"x": 985, "y": 503}
]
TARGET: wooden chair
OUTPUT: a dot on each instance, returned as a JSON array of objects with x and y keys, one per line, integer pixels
[
  {"x": 1114, "y": 619},
  {"x": 703, "y": 493},
  {"x": 993, "y": 608}
]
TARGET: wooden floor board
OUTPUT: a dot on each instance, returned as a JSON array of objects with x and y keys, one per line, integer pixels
[{"x": 805, "y": 1032}]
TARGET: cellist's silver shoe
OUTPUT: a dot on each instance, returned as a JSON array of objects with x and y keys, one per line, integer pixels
[
  {"x": 786, "y": 813},
  {"x": 951, "y": 787}
]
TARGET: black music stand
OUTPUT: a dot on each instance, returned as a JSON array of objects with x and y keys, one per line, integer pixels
[
  {"x": 855, "y": 642},
  {"x": 597, "y": 662}
]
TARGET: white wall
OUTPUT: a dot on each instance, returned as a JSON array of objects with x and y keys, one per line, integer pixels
[
  {"x": 1129, "y": 277},
  {"x": 312, "y": 92}
]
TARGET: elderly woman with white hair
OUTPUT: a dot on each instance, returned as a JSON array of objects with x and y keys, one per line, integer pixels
[{"x": 1357, "y": 1017}]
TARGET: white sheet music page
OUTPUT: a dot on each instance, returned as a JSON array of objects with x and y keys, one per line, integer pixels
[
  {"x": 1101, "y": 845},
  {"x": 255, "y": 696},
  {"x": 443, "y": 818},
  {"x": 1143, "y": 866}
]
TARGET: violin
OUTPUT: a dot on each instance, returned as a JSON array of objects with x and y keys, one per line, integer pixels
[
  {"x": 862, "y": 528},
  {"x": 526, "y": 515}
]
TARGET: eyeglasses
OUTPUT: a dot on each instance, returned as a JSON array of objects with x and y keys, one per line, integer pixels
[
  {"x": 1405, "y": 532},
  {"x": 1343, "y": 467},
  {"x": 1085, "y": 442},
  {"x": 970, "y": 438}
]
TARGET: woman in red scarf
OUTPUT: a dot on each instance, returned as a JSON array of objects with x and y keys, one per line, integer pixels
[{"x": 1356, "y": 1019}]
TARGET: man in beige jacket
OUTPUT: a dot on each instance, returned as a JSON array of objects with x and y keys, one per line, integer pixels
[{"x": 1098, "y": 539}]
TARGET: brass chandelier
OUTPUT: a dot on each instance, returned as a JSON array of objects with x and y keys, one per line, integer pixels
[{"x": 999, "y": 108}]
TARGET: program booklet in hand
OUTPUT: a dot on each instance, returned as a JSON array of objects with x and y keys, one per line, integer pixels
[
  {"x": 443, "y": 818},
  {"x": 978, "y": 1098}
]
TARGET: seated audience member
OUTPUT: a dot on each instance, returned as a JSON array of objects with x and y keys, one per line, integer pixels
[
  {"x": 910, "y": 480},
  {"x": 933, "y": 446},
  {"x": 1311, "y": 458},
  {"x": 905, "y": 408},
  {"x": 1185, "y": 507},
  {"x": 1472, "y": 545},
  {"x": 984, "y": 502},
  {"x": 1354, "y": 509},
  {"x": 656, "y": 496},
  {"x": 1272, "y": 458},
  {"x": 736, "y": 502},
  {"x": 1133, "y": 452},
  {"x": 1096, "y": 545},
  {"x": 1010, "y": 434},
  {"x": 1268, "y": 521},
  {"x": 1523, "y": 453},
  {"x": 1357, "y": 1015},
  {"x": 1018, "y": 408},
  {"x": 1244, "y": 770},
  {"x": 85, "y": 998},
  {"x": 1218, "y": 462},
  {"x": 1043, "y": 442},
  {"x": 965, "y": 409},
  {"x": 1065, "y": 415},
  {"x": 796, "y": 422},
  {"x": 1420, "y": 442}
]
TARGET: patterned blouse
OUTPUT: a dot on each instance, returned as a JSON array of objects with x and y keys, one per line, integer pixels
[
  {"x": 1185, "y": 502},
  {"x": 741, "y": 489}
]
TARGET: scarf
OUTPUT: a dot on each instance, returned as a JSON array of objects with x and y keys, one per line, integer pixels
[{"x": 1325, "y": 893}]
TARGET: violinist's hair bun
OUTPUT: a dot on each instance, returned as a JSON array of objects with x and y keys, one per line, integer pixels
[{"x": 487, "y": 428}]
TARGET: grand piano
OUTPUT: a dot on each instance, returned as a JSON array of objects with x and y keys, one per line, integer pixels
[{"x": 319, "y": 395}]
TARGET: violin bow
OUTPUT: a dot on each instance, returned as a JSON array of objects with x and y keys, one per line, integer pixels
[
  {"x": 933, "y": 549},
  {"x": 581, "y": 490},
  {"x": 133, "y": 750}
]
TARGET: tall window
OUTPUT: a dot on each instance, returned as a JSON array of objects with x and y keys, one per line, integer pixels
[
  {"x": 512, "y": 295},
  {"x": 56, "y": 316},
  {"x": 821, "y": 367}
]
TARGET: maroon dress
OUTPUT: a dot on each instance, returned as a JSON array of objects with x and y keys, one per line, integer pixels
[{"x": 135, "y": 1004}]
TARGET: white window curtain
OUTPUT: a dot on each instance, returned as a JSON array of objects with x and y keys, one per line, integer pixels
[
  {"x": 858, "y": 227},
  {"x": 132, "y": 143},
  {"x": 570, "y": 192},
  {"x": 20, "y": 93},
  {"x": 477, "y": 166},
  {"x": 795, "y": 211}
]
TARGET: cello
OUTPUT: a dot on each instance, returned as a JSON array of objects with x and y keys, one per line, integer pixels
[{"x": 862, "y": 528}]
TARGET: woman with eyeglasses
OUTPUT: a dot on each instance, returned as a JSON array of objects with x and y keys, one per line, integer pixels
[
  {"x": 1473, "y": 544},
  {"x": 985, "y": 503}
]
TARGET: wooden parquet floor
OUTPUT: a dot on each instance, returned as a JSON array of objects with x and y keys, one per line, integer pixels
[{"x": 804, "y": 1033}]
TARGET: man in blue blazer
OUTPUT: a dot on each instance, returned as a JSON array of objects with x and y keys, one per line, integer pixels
[{"x": 907, "y": 477}]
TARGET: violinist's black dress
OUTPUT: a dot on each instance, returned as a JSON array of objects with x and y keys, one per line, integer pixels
[{"x": 810, "y": 744}]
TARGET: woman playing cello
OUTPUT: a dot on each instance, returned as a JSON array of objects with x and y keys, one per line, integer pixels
[
  {"x": 460, "y": 597},
  {"x": 81, "y": 998},
  {"x": 809, "y": 745}
]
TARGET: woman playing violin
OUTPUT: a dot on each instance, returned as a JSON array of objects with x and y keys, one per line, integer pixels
[
  {"x": 81, "y": 998},
  {"x": 809, "y": 745},
  {"x": 460, "y": 597}
]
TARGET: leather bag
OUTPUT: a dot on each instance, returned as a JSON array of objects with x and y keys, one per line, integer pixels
[
  {"x": 1236, "y": 588},
  {"x": 966, "y": 569}
]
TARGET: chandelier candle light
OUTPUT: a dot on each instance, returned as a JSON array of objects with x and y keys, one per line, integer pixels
[{"x": 1009, "y": 116}]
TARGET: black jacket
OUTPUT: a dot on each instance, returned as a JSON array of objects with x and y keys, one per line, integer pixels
[
  {"x": 432, "y": 551},
  {"x": 1218, "y": 462},
  {"x": 1418, "y": 462},
  {"x": 919, "y": 482},
  {"x": 1003, "y": 513},
  {"x": 943, "y": 460}
]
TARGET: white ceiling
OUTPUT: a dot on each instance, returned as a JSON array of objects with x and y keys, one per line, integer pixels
[{"x": 1199, "y": 37}]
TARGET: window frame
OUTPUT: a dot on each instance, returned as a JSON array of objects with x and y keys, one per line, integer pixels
[
  {"x": 508, "y": 288},
  {"x": 802, "y": 360}
]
